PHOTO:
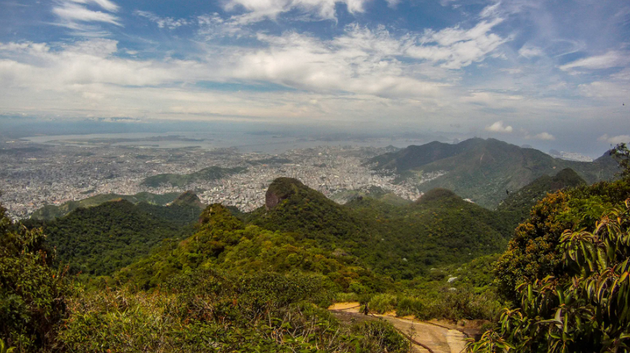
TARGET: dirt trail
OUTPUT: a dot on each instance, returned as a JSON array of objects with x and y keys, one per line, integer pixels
[{"x": 428, "y": 337}]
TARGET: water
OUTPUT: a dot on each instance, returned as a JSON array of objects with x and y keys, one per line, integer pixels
[{"x": 244, "y": 142}]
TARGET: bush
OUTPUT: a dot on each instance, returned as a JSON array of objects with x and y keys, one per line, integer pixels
[
  {"x": 382, "y": 303},
  {"x": 380, "y": 336},
  {"x": 410, "y": 306},
  {"x": 208, "y": 312},
  {"x": 32, "y": 292},
  {"x": 589, "y": 312},
  {"x": 346, "y": 297}
]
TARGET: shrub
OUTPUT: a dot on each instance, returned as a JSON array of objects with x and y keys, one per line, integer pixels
[
  {"x": 410, "y": 306},
  {"x": 32, "y": 292},
  {"x": 382, "y": 303},
  {"x": 589, "y": 312}
]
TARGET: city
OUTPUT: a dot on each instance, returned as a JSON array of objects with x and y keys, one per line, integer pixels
[{"x": 35, "y": 175}]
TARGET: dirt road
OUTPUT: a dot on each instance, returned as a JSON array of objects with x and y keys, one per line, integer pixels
[{"x": 424, "y": 336}]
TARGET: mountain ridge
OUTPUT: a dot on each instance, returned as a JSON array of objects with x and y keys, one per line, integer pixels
[{"x": 482, "y": 170}]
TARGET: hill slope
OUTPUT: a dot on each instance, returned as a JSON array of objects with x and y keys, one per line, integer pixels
[
  {"x": 483, "y": 170},
  {"x": 101, "y": 239},
  {"x": 223, "y": 242},
  {"x": 50, "y": 212},
  {"x": 400, "y": 241},
  {"x": 521, "y": 202}
]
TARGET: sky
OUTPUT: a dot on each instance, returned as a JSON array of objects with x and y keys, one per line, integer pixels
[{"x": 554, "y": 74}]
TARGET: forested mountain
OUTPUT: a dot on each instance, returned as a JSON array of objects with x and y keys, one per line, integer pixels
[
  {"x": 483, "y": 170},
  {"x": 222, "y": 241},
  {"x": 400, "y": 241},
  {"x": 50, "y": 212},
  {"x": 191, "y": 309},
  {"x": 521, "y": 202},
  {"x": 374, "y": 192},
  {"x": 102, "y": 239},
  {"x": 183, "y": 180}
]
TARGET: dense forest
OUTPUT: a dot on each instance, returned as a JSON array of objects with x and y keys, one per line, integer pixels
[{"x": 125, "y": 277}]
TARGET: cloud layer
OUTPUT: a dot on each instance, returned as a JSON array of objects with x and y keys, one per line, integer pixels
[{"x": 450, "y": 66}]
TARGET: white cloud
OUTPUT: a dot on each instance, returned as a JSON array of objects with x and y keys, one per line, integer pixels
[
  {"x": 498, "y": 127},
  {"x": 362, "y": 61},
  {"x": 491, "y": 10},
  {"x": 213, "y": 26},
  {"x": 545, "y": 136},
  {"x": 455, "y": 48},
  {"x": 605, "y": 61},
  {"x": 163, "y": 22},
  {"x": 393, "y": 3},
  {"x": 257, "y": 10},
  {"x": 71, "y": 13},
  {"x": 614, "y": 140},
  {"x": 84, "y": 62},
  {"x": 105, "y": 4},
  {"x": 529, "y": 52},
  {"x": 75, "y": 14}
]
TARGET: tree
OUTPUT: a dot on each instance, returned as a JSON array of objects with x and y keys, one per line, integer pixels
[
  {"x": 622, "y": 155},
  {"x": 589, "y": 313},
  {"x": 32, "y": 292}
]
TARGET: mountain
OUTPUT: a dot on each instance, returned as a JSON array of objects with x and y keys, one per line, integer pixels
[
  {"x": 101, "y": 239},
  {"x": 294, "y": 207},
  {"x": 521, "y": 202},
  {"x": 188, "y": 198},
  {"x": 482, "y": 170},
  {"x": 183, "y": 180},
  {"x": 223, "y": 242},
  {"x": 439, "y": 228},
  {"x": 373, "y": 192},
  {"x": 397, "y": 240},
  {"x": 50, "y": 212}
]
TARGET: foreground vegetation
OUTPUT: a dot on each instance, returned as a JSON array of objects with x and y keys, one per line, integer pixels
[
  {"x": 567, "y": 273},
  {"x": 262, "y": 281}
]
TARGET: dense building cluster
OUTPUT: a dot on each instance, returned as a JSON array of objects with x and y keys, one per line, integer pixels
[{"x": 34, "y": 175}]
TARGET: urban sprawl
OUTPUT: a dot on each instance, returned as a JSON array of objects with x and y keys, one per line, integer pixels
[{"x": 34, "y": 175}]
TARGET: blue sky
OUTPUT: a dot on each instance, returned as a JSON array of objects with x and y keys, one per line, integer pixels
[{"x": 548, "y": 73}]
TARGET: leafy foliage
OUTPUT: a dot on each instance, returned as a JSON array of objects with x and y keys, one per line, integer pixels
[
  {"x": 206, "y": 311},
  {"x": 452, "y": 292},
  {"x": 32, "y": 292},
  {"x": 99, "y": 240},
  {"x": 223, "y": 242},
  {"x": 532, "y": 254},
  {"x": 622, "y": 155},
  {"x": 590, "y": 311}
]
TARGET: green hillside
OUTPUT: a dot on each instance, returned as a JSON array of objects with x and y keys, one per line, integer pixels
[
  {"x": 373, "y": 192},
  {"x": 400, "y": 241},
  {"x": 440, "y": 228},
  {"x": 50, "y": 212},
  {"x": 482, "y": 170},
  {"x": 223, "y": 242},
  {"x": 183, "y": 180},
  {"x": 219, "y": 297},
  {"x": 101, "y": 239},
  {"x": 521, "y": 202}
]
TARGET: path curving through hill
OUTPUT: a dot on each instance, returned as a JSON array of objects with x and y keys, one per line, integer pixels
[{"x": 425, "y": 337}]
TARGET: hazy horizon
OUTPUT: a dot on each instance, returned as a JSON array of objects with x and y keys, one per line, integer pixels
[{"x": 551, "y": 75}]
